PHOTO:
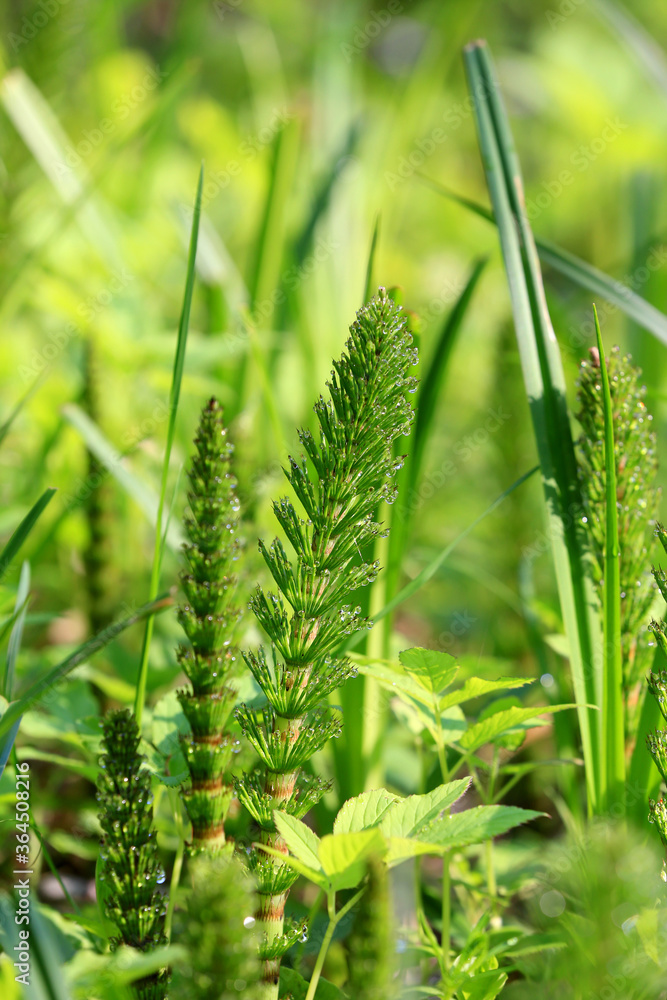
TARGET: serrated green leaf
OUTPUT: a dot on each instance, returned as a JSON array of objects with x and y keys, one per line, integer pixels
[
  {"x": 487, "y": 730},
  {"x": 421, "y": 717},
  {"x": 343, "y": 856},
  {"x": 410, "y": 815},
  {"x": 393, "y": 680},
  {"x": 17, "y": 708},
  {"x": 168, "y": 722},
  {"x": 14, "y": 544},
  {"x": 473, "y": 826},
  {"x": 475, "y": 687},
  {"x": 364, "y": 811},
  {"x": 432, "y": 669},
  {"x": 484, "y": 986},
  {"x": 530, "y": 944},
  {"x": 300, "y": 839}
]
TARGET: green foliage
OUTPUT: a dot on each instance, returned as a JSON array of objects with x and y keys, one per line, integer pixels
[
  {"x": 215, "y": 925},
  {"x": 208, "y": 618},
  {"x": 130, "y": 866}
]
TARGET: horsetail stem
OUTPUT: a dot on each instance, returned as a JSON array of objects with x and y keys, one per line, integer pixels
[
  {"x": 339, "y": 483},
  {"x": 129, "y": 858},
  {"x": 637, "y": 494},
  {"x": 208, "y": 618}
]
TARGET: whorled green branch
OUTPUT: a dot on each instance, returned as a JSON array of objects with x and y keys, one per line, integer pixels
[{"x": 346, "y": 471}]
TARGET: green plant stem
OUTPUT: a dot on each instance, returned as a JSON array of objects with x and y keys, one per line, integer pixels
[
  {"x": 446, "y": 858},
  {"x": 178, "y": 864},
  {"x": 298, "y": 956},
  {"x": 612, "y": 742},
  {"x": 52, "y": 867},
  {"x": 490, "y": 869},
  {"x": 174, "y": 396},
  {"x": 374, "y": 720},
  {"x": 334, "y": 920}
]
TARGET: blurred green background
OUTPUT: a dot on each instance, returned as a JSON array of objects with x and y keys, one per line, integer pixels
[{"x": 314, "y": 120}]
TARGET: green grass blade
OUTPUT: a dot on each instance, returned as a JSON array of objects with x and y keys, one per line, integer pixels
[
  {"x": 42, "y": 133},
  {"x": 430, "y": 392},
  {"x": 6, "y": 747},
  {"x": 545, "y": 387},
  {"x": 580, "y": 273},
  {"x": 6, "y": 427},
  {"x": 322, "y": 200},
  {"x": 270, "y": 244},
  {"x": 612, "y": 743},
  {"x": 16, "y": 635},
  {"x": 174, "y": 396},
  {"x": 37, "y": 690},
  {"x": 649, "y": 55},
  {"x": 369, "y": 287},
  {"x": 14, "y": 544},
  {"x": 431, "y": 387}
]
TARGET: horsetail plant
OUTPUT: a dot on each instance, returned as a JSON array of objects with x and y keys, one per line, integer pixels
[
  {"x": 371, "y": 946},
  {"x": 208, "y": 618},
  {"x": 637, "y": 495},
  {"x": 339, "y": 483},
  {"x": 657, "y": 685},
  {"x": 216, "y": 928},
  {"x": 129, "y": 861}
]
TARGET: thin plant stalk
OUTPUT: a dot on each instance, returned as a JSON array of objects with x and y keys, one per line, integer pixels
[
  {"x": 334, "y": 920},
  {"x": 174, "y": 396},
  {"x": 612, "y": 742}
]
